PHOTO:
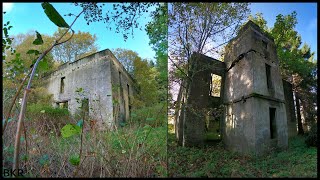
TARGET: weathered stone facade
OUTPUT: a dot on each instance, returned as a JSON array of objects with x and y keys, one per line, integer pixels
[
  {"x": 108, "y": 88},
  {"x": 255, "y": 107}
]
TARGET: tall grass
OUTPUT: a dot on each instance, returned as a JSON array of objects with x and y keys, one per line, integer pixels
[
  {"x": 298, "y": 160},
  {"x": 135, "y": 150}
]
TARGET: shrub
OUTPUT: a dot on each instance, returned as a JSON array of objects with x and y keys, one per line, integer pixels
[
  {"x": 311, "y": 136},
  {"x": 154, "y": 116},
  {"x": 47, "y": 117},
  {"x": 40, "y": 95}
]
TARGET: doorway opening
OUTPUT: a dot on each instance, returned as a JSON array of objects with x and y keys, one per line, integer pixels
[
  {"x": 214, "y": 113},
  {"x": 273, "y": 127}
]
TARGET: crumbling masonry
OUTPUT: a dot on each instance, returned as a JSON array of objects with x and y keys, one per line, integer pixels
[
  {"x": 258, "y": 111},
  {"x": 107, "y": 88}
]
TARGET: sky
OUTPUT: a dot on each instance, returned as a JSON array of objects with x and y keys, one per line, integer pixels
[
  {"x": 306, "y": 26},
  {"x": 306, "y": 17},
  {"x": 26, "y": 17}
]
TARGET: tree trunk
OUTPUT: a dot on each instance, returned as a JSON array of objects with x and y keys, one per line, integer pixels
[{"x": 300, "y": 128}]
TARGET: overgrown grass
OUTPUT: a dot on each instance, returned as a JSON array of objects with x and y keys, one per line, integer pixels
[
  {"x": 214, "y": 161},
  {"x": 135, "y": 150}
]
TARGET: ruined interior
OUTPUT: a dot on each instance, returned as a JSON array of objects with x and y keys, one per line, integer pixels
[
  {"x": 257, "y": 105},
  {"x": 107, "y": 88}
]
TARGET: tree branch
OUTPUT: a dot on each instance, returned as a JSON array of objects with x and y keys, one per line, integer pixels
[
  {"x": 24, "y": 100},
  {"x": 14, "y": 100}
]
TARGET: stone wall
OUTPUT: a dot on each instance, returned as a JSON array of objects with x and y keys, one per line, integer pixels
[
  {"x": 292, "y": 122},
  {"x": 252, "y": 92},
  {"x": 96, "y": 74},
  {"x": 193, "y": 104},
  {"x": 123, "y": 90},
  {"x": 248, "y": 97}
]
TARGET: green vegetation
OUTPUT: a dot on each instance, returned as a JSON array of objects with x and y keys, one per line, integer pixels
[
  {"x": 54, "y": 139},
  {"x": 214, "y": 161},
  {"x": 53, "y": 143}
]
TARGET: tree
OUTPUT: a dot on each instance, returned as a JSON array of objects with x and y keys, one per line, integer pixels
[
  {"x": 297, "y": 64},
  {"x": 144, "y": 74},
  {"x": 147, "y": 85},
  {"x": 126, "y": 57},
  {"x": 157, "y": 31},
  {"x": 199, "y": 27},
  {"x": 123, "y": 16},
  {"x": 192, "y": 28},
  {"x": 259, "y": 20},
  {"x": 17, "y": 65},
  {"x": 22, "y": 43},
  {"x": 81, "y": 45}
]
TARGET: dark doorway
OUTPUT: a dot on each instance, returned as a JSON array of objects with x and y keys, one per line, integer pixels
[{"x": 273, "y": 128}]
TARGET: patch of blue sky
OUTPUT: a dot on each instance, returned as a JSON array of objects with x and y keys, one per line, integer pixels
[{"x": 26, "y": 17}]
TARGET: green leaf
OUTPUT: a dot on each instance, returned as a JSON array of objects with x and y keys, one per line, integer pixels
[
  {"x": 53, "y": 15},
  {"x": 5, "y": 32},
  {"x": 25, "y": 157},
  {"x": 31, "y": 51},
  {"x": 150, "y": 119},
  {"x": 39, "y": 40},
  {"x": 122, "y": 124},
  {"x": 70, "y": 130},
  {"x": 75, "y": 160},
  {"x": 80, "y": 123},
  {"x": 44, "y": 159},
  {"x": 146, "y": 128},
  {"x": 43, "y": 65}
]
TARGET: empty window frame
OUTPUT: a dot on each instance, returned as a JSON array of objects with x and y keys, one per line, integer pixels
[
  {"x": 215, "y": 85},
  {"x": 268, "y": 74},
  {"x": 62, "y": 105},
  {"x": 129, "y": 100},
  {"x": 62, "y": 84}
]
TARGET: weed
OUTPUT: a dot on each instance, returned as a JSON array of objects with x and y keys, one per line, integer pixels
[{"x": 215, "y": 161}]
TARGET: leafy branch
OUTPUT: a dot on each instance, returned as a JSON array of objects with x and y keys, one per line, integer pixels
[{"x": 56, "y": 18}]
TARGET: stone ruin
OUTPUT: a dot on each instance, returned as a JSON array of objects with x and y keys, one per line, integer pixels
[
  {"x": 108, "y": 88},
  {"x": 257, "y": 105}
]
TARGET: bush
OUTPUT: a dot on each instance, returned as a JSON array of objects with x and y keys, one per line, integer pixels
[
  {"x": 47, "y": 117},
  {"x": 154, "y": 116},
  {"x": 311, "y": 136},
  {"x": 47, "y": 109},
  {"x": 40, "y": 95}
]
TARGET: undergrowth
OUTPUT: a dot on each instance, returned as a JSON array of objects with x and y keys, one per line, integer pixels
[
  {"x": 135, "y": 150},
  {"x": 215, "y": 161}
]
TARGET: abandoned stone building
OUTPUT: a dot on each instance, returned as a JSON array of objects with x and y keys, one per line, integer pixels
[
  {"x": 257, "y": 105},
  {"x": 107, "y": 88}
]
